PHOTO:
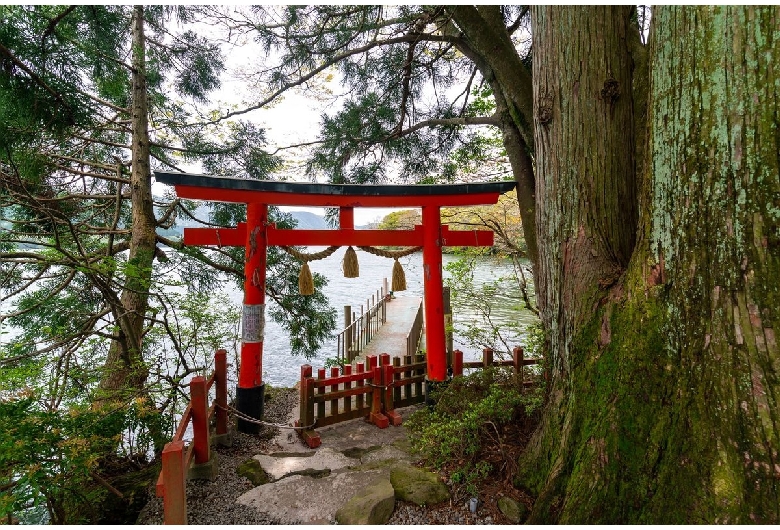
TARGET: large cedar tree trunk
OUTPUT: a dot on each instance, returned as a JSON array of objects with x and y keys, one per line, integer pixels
[
  {"x": 665, "y": 364},
  {"x": 125, "y": 371}
]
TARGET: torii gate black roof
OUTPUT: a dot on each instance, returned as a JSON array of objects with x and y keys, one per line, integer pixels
[{"x": 426, "y": 192}]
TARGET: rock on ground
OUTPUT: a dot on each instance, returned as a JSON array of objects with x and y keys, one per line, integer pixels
[
  {"x": 423, "y": 488},
  {"x": 305, "y": 500},
  {"x": 373, "y": 505}
]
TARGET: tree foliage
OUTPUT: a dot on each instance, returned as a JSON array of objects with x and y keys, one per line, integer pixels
[{"x": 88, "y": 308}]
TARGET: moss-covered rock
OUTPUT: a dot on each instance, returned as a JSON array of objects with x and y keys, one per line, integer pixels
[
  {"x": 512, "y": 510},
  {"x": 252, "y": 470},
  {"x": 373, "y": 505},
  {"x": 418, "y": 486}
]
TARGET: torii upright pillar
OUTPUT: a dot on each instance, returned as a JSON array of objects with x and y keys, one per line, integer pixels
[
  {"x": 434, "y": 294},
  {"x": 250, "y": 394}
]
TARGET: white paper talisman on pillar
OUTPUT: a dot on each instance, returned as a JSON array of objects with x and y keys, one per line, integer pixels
[{"x": 253, "y": 323}]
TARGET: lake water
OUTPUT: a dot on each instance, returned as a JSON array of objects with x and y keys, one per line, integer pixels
[{"x": 280, "y": 367}]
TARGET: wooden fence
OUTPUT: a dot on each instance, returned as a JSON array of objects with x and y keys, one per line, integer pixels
[
  {"x": 376, "y": 387},
  {"x": 176, "y": 458}
]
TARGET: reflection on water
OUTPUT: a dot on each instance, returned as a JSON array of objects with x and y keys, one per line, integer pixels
[{"x": 281, "y": 368}]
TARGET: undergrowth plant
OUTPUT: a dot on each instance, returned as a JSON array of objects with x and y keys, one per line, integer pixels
[{"x": 465, "y": 432}]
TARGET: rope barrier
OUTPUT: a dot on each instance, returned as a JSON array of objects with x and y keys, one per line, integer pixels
[{"x": 250, "y": 419}]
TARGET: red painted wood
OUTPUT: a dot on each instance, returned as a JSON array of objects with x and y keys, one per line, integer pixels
[
  {"x": 334, "y": 403},
  {"x": 346, "y": 217},
  {"x": 175, "y": 496},
  {"x": 220, "y": 372},
  {"x": 348, "y": 386},
  {"x": 457, "y": 362},
  {"x": 436, "y": 352},
  {"x": 236, "y": 237},
  {"x": 251, "y": 372},
  {"x": 487, "y": 357},
  {"x": 200, "y": 419},
  {"x": 355, "y": 201}
]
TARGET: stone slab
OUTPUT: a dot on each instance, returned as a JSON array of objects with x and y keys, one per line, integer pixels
[
  {"x": 305, "y": 500},
  {"x": 326, "y": 458}
]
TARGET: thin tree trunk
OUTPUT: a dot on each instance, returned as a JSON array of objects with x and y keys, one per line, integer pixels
[{"x": 125, "y": 370}]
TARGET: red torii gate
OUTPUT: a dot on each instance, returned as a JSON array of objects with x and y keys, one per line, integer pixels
[{"x": 257, "y": 234}]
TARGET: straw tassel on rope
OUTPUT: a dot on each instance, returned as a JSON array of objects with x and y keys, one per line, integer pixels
[
  {"x": 399, "y": 277},
  {"x": 350, "y": 264},
  {"x": 305, "y": 281}
]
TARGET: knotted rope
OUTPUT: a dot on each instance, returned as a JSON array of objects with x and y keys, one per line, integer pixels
[{"x": 305, "y": 280}]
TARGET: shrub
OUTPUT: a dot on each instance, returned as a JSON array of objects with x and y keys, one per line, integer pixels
[{"x": 468, "y": 422}]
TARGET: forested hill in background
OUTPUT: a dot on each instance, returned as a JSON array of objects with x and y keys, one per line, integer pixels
[{"x": 306, "y": 220}]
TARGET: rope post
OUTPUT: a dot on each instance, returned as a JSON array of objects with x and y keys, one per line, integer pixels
[
  {"x": 174, "y": 486},
  {"x": 220, "y": 380},
  {"x": 200, "y": 419},
  {"x": 457, "y": 363}
]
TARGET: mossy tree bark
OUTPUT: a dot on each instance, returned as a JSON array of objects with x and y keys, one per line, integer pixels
[{"x": 665, "y": 364}]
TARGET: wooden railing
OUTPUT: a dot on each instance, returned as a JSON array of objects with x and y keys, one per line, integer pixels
[
  {"x": 375, "y": 388},
  {"x": 362, "y": 328},
  {"x": 176, "y": 458},
  {"x": 518, "y": 362},
  {"x": 413, "y": 338}
]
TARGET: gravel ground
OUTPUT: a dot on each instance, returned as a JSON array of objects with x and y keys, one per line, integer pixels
[{"x": 213, "y": 502}]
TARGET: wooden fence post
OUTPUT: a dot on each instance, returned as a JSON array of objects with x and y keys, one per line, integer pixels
[
  {"x": 175, "y": 492},
  {"x": 321, "y": 374},
  {"x": 518, "y": 361},
  {"x": 487, "y": 357},
  {"x": 306, "y": 415},
  {"x": 376, "y": 417},
  {"x": 361, "y": 368},
  {"x": 389, "y": 381},
  {"x": 334, "y": 403},
  {"x": 457, "y": 362},
  {"x": 200, "y": 419},
  {"x": 220, "y": 380},
  {"x": 348, "y": 386}
]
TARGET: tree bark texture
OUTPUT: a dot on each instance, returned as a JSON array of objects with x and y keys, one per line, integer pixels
[
  {"x": 125, "y": 370},
  {"x": 585, "y": 173},
  {"x": 664, "y": 404}
]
